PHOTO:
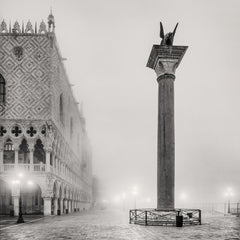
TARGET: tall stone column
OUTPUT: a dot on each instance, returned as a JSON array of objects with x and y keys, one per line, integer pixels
[{"x": 164, "y": 60}]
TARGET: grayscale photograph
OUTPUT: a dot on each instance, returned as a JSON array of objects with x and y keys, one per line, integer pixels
[{"x": 119, "y": 119}]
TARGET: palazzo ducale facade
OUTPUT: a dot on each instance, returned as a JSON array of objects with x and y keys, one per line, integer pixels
[{"x": 45, "y": 154}]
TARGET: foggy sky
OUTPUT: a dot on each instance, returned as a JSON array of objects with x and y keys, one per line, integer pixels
[{"x": 107, "y": 44}]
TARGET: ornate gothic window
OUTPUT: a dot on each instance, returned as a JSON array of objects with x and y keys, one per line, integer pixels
[
  {"x": 61, "y": 108},
  {"x": 8, "y": 145},
  {"x": 2, "y": 90},
  {"x": 39, "y": 153},
  {"x": 23, "y": 154},
  {"x": 9, "y": 154}
]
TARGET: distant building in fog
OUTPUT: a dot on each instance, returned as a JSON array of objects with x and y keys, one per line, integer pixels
[{"x": 43, "y": 140}]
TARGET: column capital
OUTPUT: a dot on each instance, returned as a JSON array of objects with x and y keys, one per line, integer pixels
[{"x": 165, "y": 59}]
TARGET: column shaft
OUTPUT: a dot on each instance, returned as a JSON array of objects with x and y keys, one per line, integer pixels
[
  {"x": 47, "y": 206},
  {"x": 31, "y": 160},
  {"x": 47, "y": 161},
  {"x": 166, "y": 146},
  {"x": 55, "y": 206},
  {"x": 16, "y": 156},
  {"x": 16, "y": 205}
]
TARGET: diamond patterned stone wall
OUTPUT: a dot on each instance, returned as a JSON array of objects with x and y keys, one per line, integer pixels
[
  {"x": 35, "y": 78},
  {"x": 26, "y": 72}
]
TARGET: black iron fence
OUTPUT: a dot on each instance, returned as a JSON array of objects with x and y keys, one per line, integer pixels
[{"x": 153, "y": 217}]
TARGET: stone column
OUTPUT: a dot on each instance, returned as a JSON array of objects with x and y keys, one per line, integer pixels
[
  {"x": 65, "y": 204},
  {"x": 16, "y": 205},
  {"x": 47, "y": 206},
  {"x": 55, "y": 206},
  {"x": 15, "y": 198},
  {"x": 164, "y": 60},
  {"x": 61, "y": 205},
  {"x": 53, "y": 162},
  {"x": 16, "y": 149},
  {"x": 47, "y": 161},
  {"x": 31, "y": 149},
  {"x": 69, "y": 206}
]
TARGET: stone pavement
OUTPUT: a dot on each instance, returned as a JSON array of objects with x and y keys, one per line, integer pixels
[
  {"x": 113, "y": 225},
  {"x": 6, "y": 221}
]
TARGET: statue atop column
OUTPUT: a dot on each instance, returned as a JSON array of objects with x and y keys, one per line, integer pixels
[{"x": 169, "y": 37}]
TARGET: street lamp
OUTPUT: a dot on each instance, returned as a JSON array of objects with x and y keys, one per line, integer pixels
[
  {"x": 229, "y": 193},
  {"x": 19, "y": 182}
]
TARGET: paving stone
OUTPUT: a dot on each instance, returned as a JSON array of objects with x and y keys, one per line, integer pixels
[{"x": 113, "y": 225}]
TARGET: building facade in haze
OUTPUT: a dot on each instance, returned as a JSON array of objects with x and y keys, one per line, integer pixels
[{"x": 45, "y": 155}]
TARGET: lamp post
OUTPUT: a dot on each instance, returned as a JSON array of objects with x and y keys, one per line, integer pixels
[
  {"x": 20, "y": 217},
  {"x": 19, "y": 182},
  {"x": 229, "y": 194}
]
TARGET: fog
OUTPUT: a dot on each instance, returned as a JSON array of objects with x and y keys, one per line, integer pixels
[{"x": 107, "y": 44}]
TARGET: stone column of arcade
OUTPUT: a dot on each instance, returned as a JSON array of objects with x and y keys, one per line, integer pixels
[
  {"x": 61, "y": 205},
  {"x": 55, "y": 203},
  {"x": 15, "y": 197},
  {"x": 47, "y": 205},
  {"x": 164, "y": 60}
]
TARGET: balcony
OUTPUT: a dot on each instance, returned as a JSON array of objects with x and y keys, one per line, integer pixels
[
  {"x": 7, "y": 168},
  {"x": 61, "y": 172}
]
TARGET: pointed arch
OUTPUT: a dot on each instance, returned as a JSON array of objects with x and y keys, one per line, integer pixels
[
  {"x": 23, "y": 154},
  {"x": 9, "y": 153},
  {"x": 39, "y": 153}
]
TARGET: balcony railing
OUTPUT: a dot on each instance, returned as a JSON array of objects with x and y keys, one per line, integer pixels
[
  {"x": 24, "y": 167},
  {"x": 35, "y": 168}
]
